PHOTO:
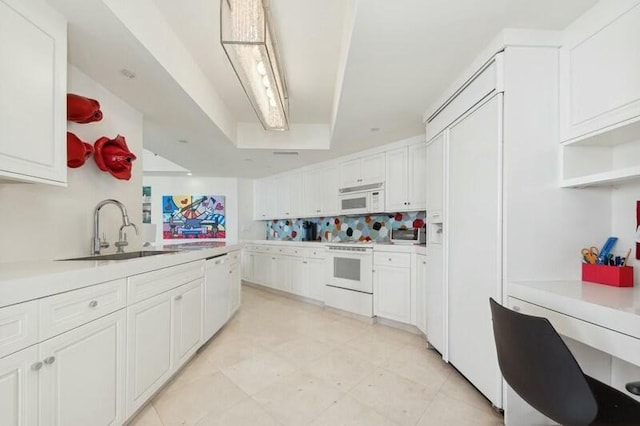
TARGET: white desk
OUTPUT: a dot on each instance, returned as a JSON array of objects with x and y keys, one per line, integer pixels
[{"x": 602, "y": 322}]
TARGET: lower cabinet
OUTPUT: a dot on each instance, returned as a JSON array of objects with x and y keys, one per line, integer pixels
[
  {"x": 148, "y": 348},
  {"x": 187, "y": 322},
  {"x": 217, "y": 295},
  {"x": 392, "y": 293},
  {"x": 315, "y": 277},
  {"x": 282, "y": 273},
  {"x": 248, "y": 260},
  {"x": 421, "y": 292},
  {"x": 236, "y": 287},
  {"x": 75, "y": 378}
]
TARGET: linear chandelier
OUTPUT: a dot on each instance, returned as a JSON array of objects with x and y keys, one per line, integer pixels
[{"x": 248, "y": 40}]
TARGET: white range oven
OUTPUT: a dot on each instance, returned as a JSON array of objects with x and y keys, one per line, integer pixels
[{"x": 349, "y": 277}]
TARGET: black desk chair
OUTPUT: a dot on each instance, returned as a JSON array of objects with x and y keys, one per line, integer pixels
[{"x": 539, "y": 367}]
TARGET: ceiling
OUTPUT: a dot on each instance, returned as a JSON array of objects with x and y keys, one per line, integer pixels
[{"x": 351, "y": 64}]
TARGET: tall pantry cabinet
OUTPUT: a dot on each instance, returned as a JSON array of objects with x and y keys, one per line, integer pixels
[{"x": 504, "y": 217}]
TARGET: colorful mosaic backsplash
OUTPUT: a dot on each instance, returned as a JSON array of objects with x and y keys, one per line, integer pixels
[{"x": 344, "y": 228}]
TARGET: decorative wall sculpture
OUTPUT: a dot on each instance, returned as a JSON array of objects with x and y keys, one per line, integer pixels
[
  {"x": 78, "y": 151},
  {"x": 82, "y": 110},
  {"x": 113, "y": 156}
]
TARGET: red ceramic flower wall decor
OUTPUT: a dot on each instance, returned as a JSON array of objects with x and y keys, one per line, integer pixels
[
  {"x": 113, "y": 156},
  {"x": 77, "y": 151},
  {"x": 82, "y": 110}
]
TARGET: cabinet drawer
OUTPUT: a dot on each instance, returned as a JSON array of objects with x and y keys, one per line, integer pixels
[
  {"x": 612, "y": 342},
  {"x": 314, "y": 253},
  {"x": 234, "y": 256},
  {"x": 266, "y": 249},
  {"x": 18, "y": 327},
  {"x": 392, "y": 259},
  {"x": 65, "y": 311},
  {"x": 435, "y": 216},
  {"x": 149, "y": 284}
]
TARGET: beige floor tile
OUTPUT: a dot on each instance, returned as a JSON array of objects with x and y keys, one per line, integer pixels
[
  {"x": 229, "y": 351},
  {"x": 393, "y": 396},
  {"x": 205, "y": 396},
  {"x": 334, "y": 332},
  {"x": 374, "y": 348},
  {"x": 254, "y": 374},
  {"x": 420, "y": 365},
  {"x": 444, "y": 411},
  {"x": 458, "y": 388},
  {"x": 298, "y": 399},
  {"x": 147, "y": 417},
  {"x": 347, "y": 411},
  {"x": 246, "y": 413},
  {"x": 344, "y": 368},
  {"x": 197, "y": 368},
  {"x": 302, "y": 351}
]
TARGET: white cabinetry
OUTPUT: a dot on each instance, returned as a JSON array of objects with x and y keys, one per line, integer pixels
[
  {"x": 217, "y": 295},
  {"x": 289, "y": 196},
  {"x": 362, "y": 171},
  {"x": 392, "y": 286},
  {"x": 187, "y": 322},
  {"x": 82, "y": 379},
  {"x": 600, "y": 96},
  {"x": 420, "y": 282},
  {"x": 148, "y": 348},
  {"x": 436, "y": 302},
  {"x": 236, "y": 285},
  {"x": 33, "y": 42},
  {"x": 320, "y": 192},
  {"x": 435, "y": 174},
  {"x": 19, "y": 387},
  {"x": 406, "y": 178},
  {"x": 265, "y": 194}
]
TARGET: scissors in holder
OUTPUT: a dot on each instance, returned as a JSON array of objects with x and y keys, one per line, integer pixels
[{"x": 591, "y": 254}]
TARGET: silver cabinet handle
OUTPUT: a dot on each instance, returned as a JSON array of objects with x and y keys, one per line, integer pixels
[
  {"x": 389, "y": 259},
  {"x": 36, "y": 366},
  {"x": 516, "y": 308},
  {"x": 273, "y": 258},
  {"x": 231, "y": 272},
  {"x": 305, "y": 262},
  {"x": 93, "y": 303},
  {"x": 50, "y": 360},
  {"x": 178, "y": 297},
  {"x": 424, "y": 262}
]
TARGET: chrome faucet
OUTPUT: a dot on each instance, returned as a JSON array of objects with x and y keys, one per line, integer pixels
[{"x": 99, "y": 244}]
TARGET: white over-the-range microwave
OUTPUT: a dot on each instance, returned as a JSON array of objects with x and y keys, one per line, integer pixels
[{"x": 362, "y": 199}]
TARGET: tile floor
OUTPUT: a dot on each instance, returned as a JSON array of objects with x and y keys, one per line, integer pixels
[{"x": 280, "y": 361}]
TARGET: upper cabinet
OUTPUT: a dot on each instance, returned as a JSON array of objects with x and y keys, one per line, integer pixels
[
  {"x": 600, "y": 96},
  {"x": 435, "y": 174},
  {"x": 320, "y": 192},
  {"x": 33, "y": 77},
  {"x": 406, "y": 178},
  {"x": 362, "y": 171}
]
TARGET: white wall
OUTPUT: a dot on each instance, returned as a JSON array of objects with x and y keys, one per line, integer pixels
[
  {"x": 249, "y": 229},
  {"x": 47, "y": 222},
  {"x": 187, "y": 185}
]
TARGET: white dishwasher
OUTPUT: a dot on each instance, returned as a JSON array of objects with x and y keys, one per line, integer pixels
[{"x": 217, "y": 295}]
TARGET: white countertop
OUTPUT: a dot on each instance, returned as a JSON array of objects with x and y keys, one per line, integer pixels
[
  {"x": 22, "y": 281},
  {"x": 612, "y": 307}
]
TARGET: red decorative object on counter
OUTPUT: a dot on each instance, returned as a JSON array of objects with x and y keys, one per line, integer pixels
[
  {"x": 82, "y": 110},
  {"x": 113, "y": 156},
  {"x": 617, "y": 276},
  {"x": 77, "y": 151}
]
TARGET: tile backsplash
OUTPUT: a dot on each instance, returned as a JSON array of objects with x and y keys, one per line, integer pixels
[{"x": 374, "y": 227}]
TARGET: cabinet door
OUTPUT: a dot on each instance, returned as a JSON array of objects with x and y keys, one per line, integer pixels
[
  {"x": 599, "y": 62},
  {"x": 299, "y": 283},
  {"x": 295, "y": 196},
  {"x": 259, "y": 200},
  {"x": 417, "y": 177},
  {"x": 19, "y": 388},
  {"x": 329, "y": 192},
  {"x": 396, "y": 180},
  {"x": 187, "y": 321},
  {"x": 236, "y": 288},
  {"x": 82, "y": 380},
  {"x": 436, "y": 303},
  {"x": 475, "y": 209},
  {"x": 311, "y": 193},
  {"x": 435, "y": 173},
  {"x": 33, "y": 41},
  {"x": 148, "y": 348},
  {"x": 247, "y": 265},
  {"x": 392, "y": 293},
  {"x": 217, "y": 296},
  {"x": 262, "y": 269},
  {"x": 282, "y": 279},
  {"x": 421, "y": 293},
  {"x": 351, "y": 173},
  {"x": 373, "y": 169},
  {"x": 315, "y": 277}
]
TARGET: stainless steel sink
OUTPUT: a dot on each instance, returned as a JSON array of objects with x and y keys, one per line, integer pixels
[{"x": 124, "y": 256}]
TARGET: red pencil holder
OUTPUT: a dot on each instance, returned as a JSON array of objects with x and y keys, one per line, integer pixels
[{"x": 618, "y": 276}]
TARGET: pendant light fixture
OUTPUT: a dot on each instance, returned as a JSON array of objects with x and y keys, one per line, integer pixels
[{"x": 249, "y": 42}]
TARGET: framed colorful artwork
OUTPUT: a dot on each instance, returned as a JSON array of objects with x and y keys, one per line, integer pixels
[{"x": 193, "y": 217}]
